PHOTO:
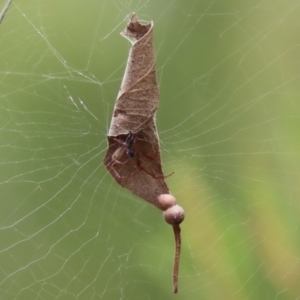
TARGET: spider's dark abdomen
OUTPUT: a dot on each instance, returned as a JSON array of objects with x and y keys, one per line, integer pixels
[
  {"x": 130, "y": 152},
  {"x": 129, "y": 145}
]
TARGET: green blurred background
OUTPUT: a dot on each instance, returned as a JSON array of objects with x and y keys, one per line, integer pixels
[{"x": 229, "y": 75}]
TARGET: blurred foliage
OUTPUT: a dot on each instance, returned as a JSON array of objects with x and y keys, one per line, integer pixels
[{"x": 229, "y": 126}]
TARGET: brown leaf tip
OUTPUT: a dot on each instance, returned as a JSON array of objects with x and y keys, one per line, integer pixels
[{"x": 135, "y": 29}]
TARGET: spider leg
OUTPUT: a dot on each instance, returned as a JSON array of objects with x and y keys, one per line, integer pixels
[
  {"x": 117, "y": 161},
  {"x": 126, "y": 147},
  {"x": 150, "y": 173},
  {"x": 116, "y": 172},
  {"x": 118, "y": 140},
  {"x": 118, "y": 153}
]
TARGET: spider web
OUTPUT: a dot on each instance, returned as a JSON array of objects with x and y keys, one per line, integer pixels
[{"x": 229, "y": 127}]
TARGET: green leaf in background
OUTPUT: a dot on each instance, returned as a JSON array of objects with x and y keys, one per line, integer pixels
[{"x": 229, "y": 120}]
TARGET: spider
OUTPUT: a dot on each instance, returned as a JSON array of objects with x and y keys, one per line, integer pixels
[
  {"x": 128, "y": 148},
  {"x": 128, "y": 144}
]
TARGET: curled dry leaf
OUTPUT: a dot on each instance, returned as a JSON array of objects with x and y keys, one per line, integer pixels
[{"x": 133, "y": 155}]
